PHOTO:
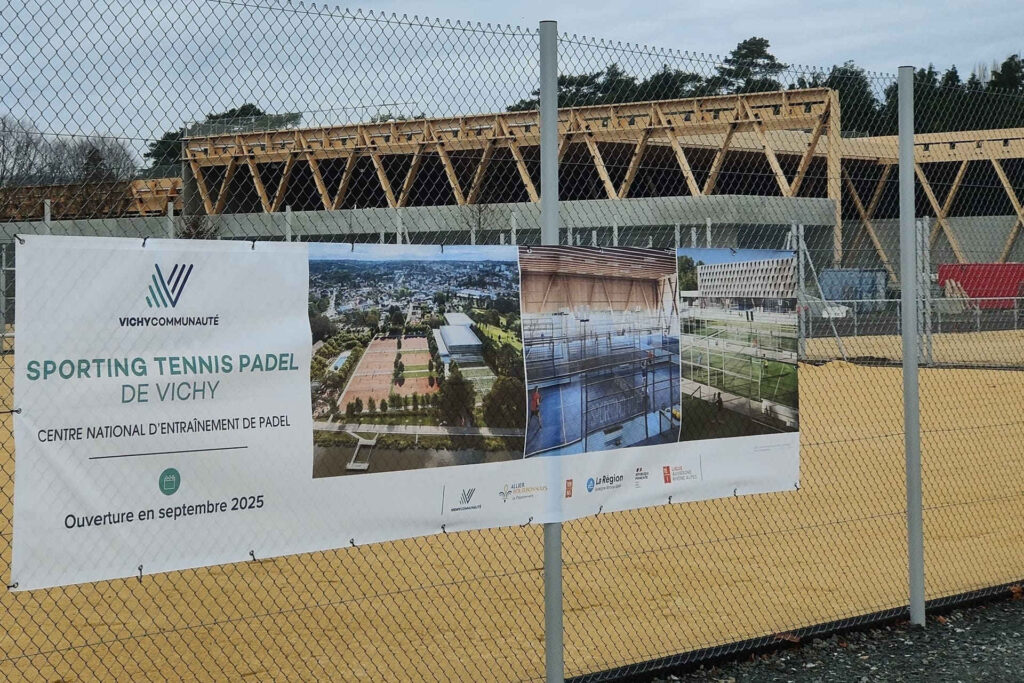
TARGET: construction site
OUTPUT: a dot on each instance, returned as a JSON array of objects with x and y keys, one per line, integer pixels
[
  {"x": 394, "y": 130},
  {"x": 601, "y": 344}
]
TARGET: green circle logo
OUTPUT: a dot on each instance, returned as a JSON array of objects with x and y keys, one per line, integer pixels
[{"x": 170, "y": 480}]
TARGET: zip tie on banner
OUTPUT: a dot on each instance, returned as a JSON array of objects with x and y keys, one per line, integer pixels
[
  {"x": 527, "y": 522},
  {"x": 252, "y": 554},
  {"x": 734, "y": 492},
  {"x": 8, "y": 412},
  {"x": 144, "y": 241},
  {"x": 352, "y": 542},
  {"x": 353, "y": 247},
  {"x": 670, "y": 500},
  {"x": 796, "y": 485},
  {"x": 139, "y": 577},
  {"x": 443, "y": 530},
  {"x": 254, "y": 245},
  {"x": 12, "y": 586},
  {"x": 599, "y": 509},
  {"x": 442, "y": 248},
  {"x": 21, "y": 240}
]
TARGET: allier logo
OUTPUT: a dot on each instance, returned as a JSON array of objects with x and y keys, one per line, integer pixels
[{"x": 165, "y": 291}]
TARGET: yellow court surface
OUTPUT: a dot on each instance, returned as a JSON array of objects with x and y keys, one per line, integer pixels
[{"x": 638, "y": 585}]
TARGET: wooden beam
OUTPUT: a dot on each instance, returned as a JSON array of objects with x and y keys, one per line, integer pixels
[
  {"x": 382, "y": 175},
  {"x": 449, "y": 170},
  {"x": 833, "y": 171},
  {"x": 940, "y": 216},
  {"x": 1008, "y": 247},
  {"x": 805, "y": 160},
  {"x": 318, "y": 180},
  {"x": 258, "y": 182},
  {"x": 201, "y": 185},
  {"x": 410, "y": 177},
  {"x": 872, "y": 206},
  {"x": 634, "y": 164},
  {"x": 769, "y": 153},
  {"x": 948, "y": 203},
  {"x": 282, "y": 186},
  {"x": 346, "y": 179},
  {"x": 222, "y": 195},
  {"x": 524, "y": 172},
  {"x": 870, "y": 229},
  {"x": 716, "y": 163},
  {"x": 684, "y": 163},
  {"x": 595, "y": 154},
  {"x": 481, "y": 170}
]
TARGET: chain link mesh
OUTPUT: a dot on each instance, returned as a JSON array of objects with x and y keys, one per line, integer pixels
[{"x": 267, "y": 120}]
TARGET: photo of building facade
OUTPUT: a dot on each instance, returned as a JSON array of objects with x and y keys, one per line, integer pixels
[{"x": 738, "y": 342}]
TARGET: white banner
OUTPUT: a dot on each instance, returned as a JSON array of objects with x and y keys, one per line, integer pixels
[{"x": 189, "y": 403}]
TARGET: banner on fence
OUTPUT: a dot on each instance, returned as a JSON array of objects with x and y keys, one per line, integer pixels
[{"x": 186, "y": 403}]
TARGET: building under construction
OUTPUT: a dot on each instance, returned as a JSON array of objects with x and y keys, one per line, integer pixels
[
  {"x": 733, "y": 161},
  {"x": 601, "y": 344}
]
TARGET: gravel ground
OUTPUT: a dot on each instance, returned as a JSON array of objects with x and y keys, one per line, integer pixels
[{"x": 981, "y": 643}]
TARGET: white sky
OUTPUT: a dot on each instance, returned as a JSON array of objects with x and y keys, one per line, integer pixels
[{"x": 135, "y": 68}]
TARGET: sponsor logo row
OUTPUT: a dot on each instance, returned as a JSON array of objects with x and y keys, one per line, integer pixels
[{"x": 471, "y": 499}]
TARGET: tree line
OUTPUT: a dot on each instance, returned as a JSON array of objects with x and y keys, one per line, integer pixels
[{"x": 943, "y": 101}]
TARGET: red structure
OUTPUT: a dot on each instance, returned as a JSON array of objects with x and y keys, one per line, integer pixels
[{"x": 986, "y": 280}]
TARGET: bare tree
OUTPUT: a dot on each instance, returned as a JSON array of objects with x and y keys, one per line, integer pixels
[
  {"x": 27, "y": 157},
  {"x": 21, "y": 152}
]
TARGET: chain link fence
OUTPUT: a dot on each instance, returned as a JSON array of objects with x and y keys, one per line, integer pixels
[{"x": 268, "y": 120}]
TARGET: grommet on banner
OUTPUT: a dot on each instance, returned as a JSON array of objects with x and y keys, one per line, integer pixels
[
  {"x": 144, "y": 241},
  {"x": 140, "y": 574},
  {"x": 12, "y": 586},
  {"x": 252, "y": 554},
  {"x": 21, "y": 240}
]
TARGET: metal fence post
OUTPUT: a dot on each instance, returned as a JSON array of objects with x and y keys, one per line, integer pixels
[
  {"x": 288, "y": 223},
  {"x": 909, "y": 299},
  {"x": 170, "y": 220},
  {"x": 46, "y": 216},
  {"x": 553, "y": 655}
]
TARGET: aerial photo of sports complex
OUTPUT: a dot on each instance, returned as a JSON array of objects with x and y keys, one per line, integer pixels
[
  {"x": 601, "y": 340},
  {"x": 738, "y": 347},
  {"x": 417, "y": 357}
]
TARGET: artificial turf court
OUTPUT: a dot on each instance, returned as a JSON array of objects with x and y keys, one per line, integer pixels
[
  {"x": 748, "y": 376},
  {"x": 765, "y": 336}
]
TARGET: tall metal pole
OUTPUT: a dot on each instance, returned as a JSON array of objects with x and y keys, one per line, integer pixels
[
  {"x": 909, "y": 304},
  {"x": 553, "y": 656}
]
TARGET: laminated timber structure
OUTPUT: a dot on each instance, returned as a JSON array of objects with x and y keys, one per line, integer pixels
[
  {"x": 119, "y": 199},
  {"x": 673, "y": 147},
  {"x": 780, "y": 144}
]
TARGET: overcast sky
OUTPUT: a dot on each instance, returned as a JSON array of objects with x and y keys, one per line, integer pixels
[
  {"x": 877, "y": 34},
  {"x": 136, "y": 68}
]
